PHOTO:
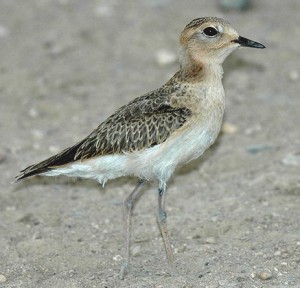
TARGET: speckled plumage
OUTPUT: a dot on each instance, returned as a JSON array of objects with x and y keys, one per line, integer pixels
[
  {"x": 143, "y": 123},
  {"x": 153, "y": 134}
]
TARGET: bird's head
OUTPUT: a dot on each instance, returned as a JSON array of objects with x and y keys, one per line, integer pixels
[{"x": 210, "y": 40}]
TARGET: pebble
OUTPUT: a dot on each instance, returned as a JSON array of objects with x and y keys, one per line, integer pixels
[
  {"x": 136, "y": 251},
  {"x": 54, "y": 149},
  {"x": 2, "y": 157},
  {"x": 33, "y": 113},
  {"x": 180, "y": 249},
  {"x": 265, "y": 275},
  {"x": 253, "y": 129},
  {"x": 294, "y": 75},
  {"x": 104, "y": 10},
  {"x": 95, "y": 225},
  {"x": 291, "y": 159},
  {"x": 222, "y": 283},
  {"x": 3, "y": 31},
  {"x": 258, "y": 148},
  {"x": 37, "y": 134},
  {"x": 229, "y": 128},
  {"x": 165, "y": 57},
  {"x": 36, "y": 146},
  {"x": 210, "y": 240},
  {"x": 157, "y": 3},
  {"x": 117, "y": 258},
  {"x": 277, "y": 253},
  {"x": 2, "y": 278},
  {"x": 234, "y": 4}
]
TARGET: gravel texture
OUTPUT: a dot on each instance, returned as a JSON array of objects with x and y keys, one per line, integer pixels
[{"x": 234, "y": 215}]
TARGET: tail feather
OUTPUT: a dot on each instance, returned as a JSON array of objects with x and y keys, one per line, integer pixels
[{"x": 62, "y": 158}]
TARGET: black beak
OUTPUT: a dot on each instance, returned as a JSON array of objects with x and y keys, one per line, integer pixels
[{"x": 248, "y": 43}]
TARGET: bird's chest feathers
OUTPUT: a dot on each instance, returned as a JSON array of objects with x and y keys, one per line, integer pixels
[{"x": 207, "y": 104}]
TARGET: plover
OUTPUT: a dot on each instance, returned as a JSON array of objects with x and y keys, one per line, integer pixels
[{"x": 154, "y": 133}]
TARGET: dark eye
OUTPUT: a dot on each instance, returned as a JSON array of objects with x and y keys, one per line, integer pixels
[{"x": 210, "y": 31}]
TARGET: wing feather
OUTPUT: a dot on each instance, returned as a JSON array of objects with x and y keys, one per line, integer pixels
[
  {"x": 134, "y": 127},
  {"x": 145, "y": 122}
]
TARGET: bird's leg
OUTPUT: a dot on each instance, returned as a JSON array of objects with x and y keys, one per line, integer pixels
[
  {"x": 162, "y": 222},
  {"x": 127, "y": 208}
]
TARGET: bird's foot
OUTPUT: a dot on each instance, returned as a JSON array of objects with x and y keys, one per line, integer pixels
[{"x": 124, "y": 269}]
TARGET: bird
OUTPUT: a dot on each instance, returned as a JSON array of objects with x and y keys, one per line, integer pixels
[{"x": 160, "y": 130}]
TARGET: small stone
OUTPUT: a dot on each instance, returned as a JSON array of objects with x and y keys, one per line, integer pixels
[
  {"x": 291, "y": 159},
  {"x": 229, "y": 128},
  {"x": 54, "y": 149},
  {"x": 157, "y": 3},
  {"x": 259, "y": 148},
  {"x": 117, "y": 258},
  {"x": 234, "y": 4},
  {"x": 71, "y": 272},
  {"x": 265, "y": 275},
  {"x": 222, "y": 282},
  {"x": 253, "y": 129},
  {"x": 95, "y": 225},
  {"x": 136, "y": 251},
  {"x": 104, "y": 10},
  {"x": 36, "y": 146},
  {"x": 2, "y": 157},
  {"x": 165, "y": 57},
  {"x": 298, "y": 243},
  {"x": 277, "y": 253},
  {"x": 180, "y": 249},
  {"x": 37, "y": 134},
  {"x": 29, "y": 220},
  {"x": 210, "y": 240},
  {"x": 294, "y": 75},
  {"x": 284, "y": 264},
  {"x": 3, "y": 31},
  {"x": 2, "y": 278},
  {"x": 241, "y": 279},
  {"x": 33, "y": 112}
]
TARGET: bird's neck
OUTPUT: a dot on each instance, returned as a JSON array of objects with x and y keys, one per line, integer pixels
[{"x": 198, "y": 69}]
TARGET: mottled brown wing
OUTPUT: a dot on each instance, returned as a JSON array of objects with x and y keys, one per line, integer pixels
[{"x": 143, "y": 123}]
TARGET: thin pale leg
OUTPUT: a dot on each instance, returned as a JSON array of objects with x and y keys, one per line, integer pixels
[
  {"x": 127, "y": 208},
  {"x": 162, "y": 222}
]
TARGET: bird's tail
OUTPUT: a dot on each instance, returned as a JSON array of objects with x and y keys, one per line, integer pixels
[{"x": 62, "y": 158}]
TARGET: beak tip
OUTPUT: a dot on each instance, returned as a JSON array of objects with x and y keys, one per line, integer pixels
[{"x": 249, "y": 43}]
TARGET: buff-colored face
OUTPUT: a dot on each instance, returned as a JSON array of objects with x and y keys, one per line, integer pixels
[{"x": 213, "y": 39}]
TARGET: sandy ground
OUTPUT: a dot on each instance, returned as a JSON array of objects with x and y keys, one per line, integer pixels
[{"x": 234, "y": 216}]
